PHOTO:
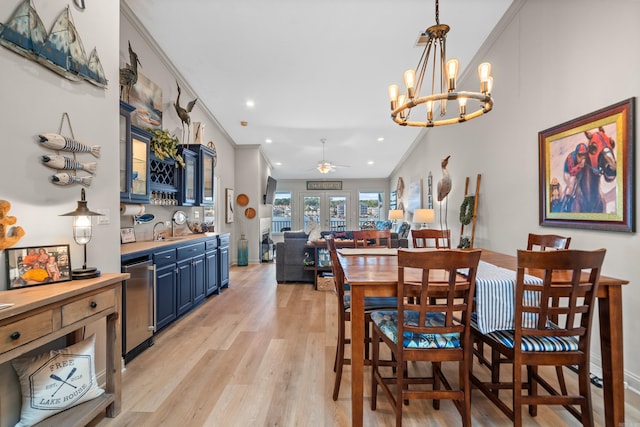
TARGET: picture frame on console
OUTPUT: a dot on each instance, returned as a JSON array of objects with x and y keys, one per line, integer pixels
[
  {"x": 37, "y": 265},
  {"x": 586, "y": 170}
]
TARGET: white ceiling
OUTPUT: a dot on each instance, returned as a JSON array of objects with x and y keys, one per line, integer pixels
[{"x": 315, "y": 69}]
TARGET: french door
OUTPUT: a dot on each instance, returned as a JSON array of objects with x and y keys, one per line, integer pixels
[{"x": 329, "y": 209}]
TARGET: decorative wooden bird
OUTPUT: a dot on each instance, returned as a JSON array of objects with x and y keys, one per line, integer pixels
[
  {"x": 183, "y": 113},
  {"x": 444, "y": 187},
  {"x": 129, "y": 74}
]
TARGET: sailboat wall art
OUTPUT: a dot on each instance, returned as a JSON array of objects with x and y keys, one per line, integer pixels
[{"x": 61, "y": 50}]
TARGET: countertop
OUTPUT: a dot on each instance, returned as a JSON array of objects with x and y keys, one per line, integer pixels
[{"x": 127, "y": 249}]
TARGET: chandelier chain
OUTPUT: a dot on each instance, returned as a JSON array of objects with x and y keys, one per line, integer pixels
[{"x": 437, "y": 12}]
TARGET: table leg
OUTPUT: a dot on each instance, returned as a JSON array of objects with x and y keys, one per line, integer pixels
[
  {"x": 357, "y": 355},
  {"x": 610, "y": 316}
]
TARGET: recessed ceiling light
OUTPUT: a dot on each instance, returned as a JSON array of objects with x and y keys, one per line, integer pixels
[
  {"x": 380, "y": 139},
  {"x": 278, "y": 164},
  {"x": 268, "y": 141},
  {"x": 243, "y": 123},
  {"x": 370, "y": 162},
  {"x": 250, "y": 103}
]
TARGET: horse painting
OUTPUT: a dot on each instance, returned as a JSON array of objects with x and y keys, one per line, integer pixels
[{"x": 600, "y": 163}]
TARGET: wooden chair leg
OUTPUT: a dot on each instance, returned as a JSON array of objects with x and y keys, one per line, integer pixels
[
  {"x": 339, "y": 361},
  {"x": 532, "y": 372},
  {"x": 495, "y": 369},
  {"x": 561, "y": 383},
  {"x": 375, "y": 344},
  {"x": 584, "y": 386},
  {"x": 435, "y": 369}
]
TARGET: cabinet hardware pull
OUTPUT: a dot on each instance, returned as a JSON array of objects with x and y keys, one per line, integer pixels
[
  {"x": 15, "y": 335},
  {"x": 93, "y": 304}
]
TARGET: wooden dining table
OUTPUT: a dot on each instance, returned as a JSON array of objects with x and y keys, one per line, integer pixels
[{"x": 377, "y": 275}]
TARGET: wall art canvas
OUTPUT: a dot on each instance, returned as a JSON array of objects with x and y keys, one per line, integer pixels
[
  {"x": 586, "y": 170},
  {"x": 229, "y": 201},
  {"x": 414, "y": 196},
  {"x": 146, "y": 97}
]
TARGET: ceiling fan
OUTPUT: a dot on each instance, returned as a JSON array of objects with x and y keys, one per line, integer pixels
[{"x": 325, "y": 166}]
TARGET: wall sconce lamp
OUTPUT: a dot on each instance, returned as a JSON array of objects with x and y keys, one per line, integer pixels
[
  {"x": 424, "y": 216},
  {"x": 82, "y": 235}
]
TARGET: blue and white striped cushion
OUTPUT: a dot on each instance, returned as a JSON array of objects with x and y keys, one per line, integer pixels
[
  {"x": 387, "y": 321},
  {"x": 532, "y": 343}
]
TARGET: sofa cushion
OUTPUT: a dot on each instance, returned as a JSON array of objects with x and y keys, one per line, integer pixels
[
  {"x": 339, "y": 235},
  {"x": 295, "y": 235},
  {"x": 383, "y": 225}
]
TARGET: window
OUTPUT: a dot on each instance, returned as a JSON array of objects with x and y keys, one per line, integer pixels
[
  {"x": 281, "y": 212},
  {"x": 370, "y": 207}
]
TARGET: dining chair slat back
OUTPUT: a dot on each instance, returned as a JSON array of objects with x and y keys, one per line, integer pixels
[
  {"x": 545, "y": 242},
  {"x": 431, "y": 238},
  {"x": 372, "y": 238}
]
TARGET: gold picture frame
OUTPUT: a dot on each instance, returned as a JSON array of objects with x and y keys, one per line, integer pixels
[{"x": 586, "y": 171}]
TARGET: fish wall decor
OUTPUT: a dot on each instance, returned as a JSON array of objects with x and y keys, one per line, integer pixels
[
  {"x": 64, "y": 178},
  {"x": 67, "y": 163},
  {"x": 62, "y": 143}
]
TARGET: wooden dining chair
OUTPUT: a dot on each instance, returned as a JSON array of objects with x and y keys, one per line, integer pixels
[
  {"x": 428, "y": 329},
  {"x": 431, "y": 238},
  {"x": 372, "y": 238},
  {"x": 545, "y": 242},
  {"x": 540, "y": 242},
  {"x": 344, "y": 314},
  {"x": 573, "y": 277}
]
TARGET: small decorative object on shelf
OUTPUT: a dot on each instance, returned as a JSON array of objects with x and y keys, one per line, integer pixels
[
  {"x": 9, "y": 235},
  {"x": 183, "y": 113},
  {"x": 129, "y": 75},
  {"x": 164, "y": 144}
]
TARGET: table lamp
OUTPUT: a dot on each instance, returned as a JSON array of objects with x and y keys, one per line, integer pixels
[
  {"x": 395, "y": 215},
  {"x": 82, "y": 235},
  {"x": 424, "y": 216}
]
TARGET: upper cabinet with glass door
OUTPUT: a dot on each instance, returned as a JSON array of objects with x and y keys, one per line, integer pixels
[
  {"x": 206, "y": 164},
  {"x": 196, "y": 178},
  {"x": 134, "y": 166}
]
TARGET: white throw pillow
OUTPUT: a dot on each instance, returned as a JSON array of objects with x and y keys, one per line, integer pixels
[{"x": 54, "y": 381}]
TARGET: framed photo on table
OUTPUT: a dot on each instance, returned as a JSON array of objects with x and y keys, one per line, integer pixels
[
  {"x": 37, "y": 265},
  {"x": 586, "y": 171},
  {"x": 127, "y": 235}
]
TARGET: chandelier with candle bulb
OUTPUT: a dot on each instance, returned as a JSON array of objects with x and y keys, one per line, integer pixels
[{"x": 443, "y": 85}]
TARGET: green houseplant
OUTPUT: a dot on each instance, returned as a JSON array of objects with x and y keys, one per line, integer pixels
[{"x": 164, "y": 144}]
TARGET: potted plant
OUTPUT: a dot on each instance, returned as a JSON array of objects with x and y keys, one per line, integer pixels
[{"x": 164, "y": 144}]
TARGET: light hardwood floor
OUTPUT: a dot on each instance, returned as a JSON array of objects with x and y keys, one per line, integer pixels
[{"x": 261, "y": 354}]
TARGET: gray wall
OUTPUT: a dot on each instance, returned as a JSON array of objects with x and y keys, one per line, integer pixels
[
  {"x": 34, "y": 100},
  {"x": 554, "y": 61}
]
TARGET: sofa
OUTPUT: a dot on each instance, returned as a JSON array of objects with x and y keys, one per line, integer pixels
[
  {"x": 290, "y": 258},
  {"x": 290, "y": 253}
]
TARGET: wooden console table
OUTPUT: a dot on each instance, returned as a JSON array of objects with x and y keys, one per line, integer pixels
[{"x": 42, "y": 314}]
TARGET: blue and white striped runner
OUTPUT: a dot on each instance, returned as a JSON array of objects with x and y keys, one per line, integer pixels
[{"x": 495, "y": 299}]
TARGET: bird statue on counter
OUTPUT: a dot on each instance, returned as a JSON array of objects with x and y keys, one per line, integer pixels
[
  {"x": 183, "y": 113},
  {"x": 129, "y": 74},
  {"x": 444, "y": 187}
]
